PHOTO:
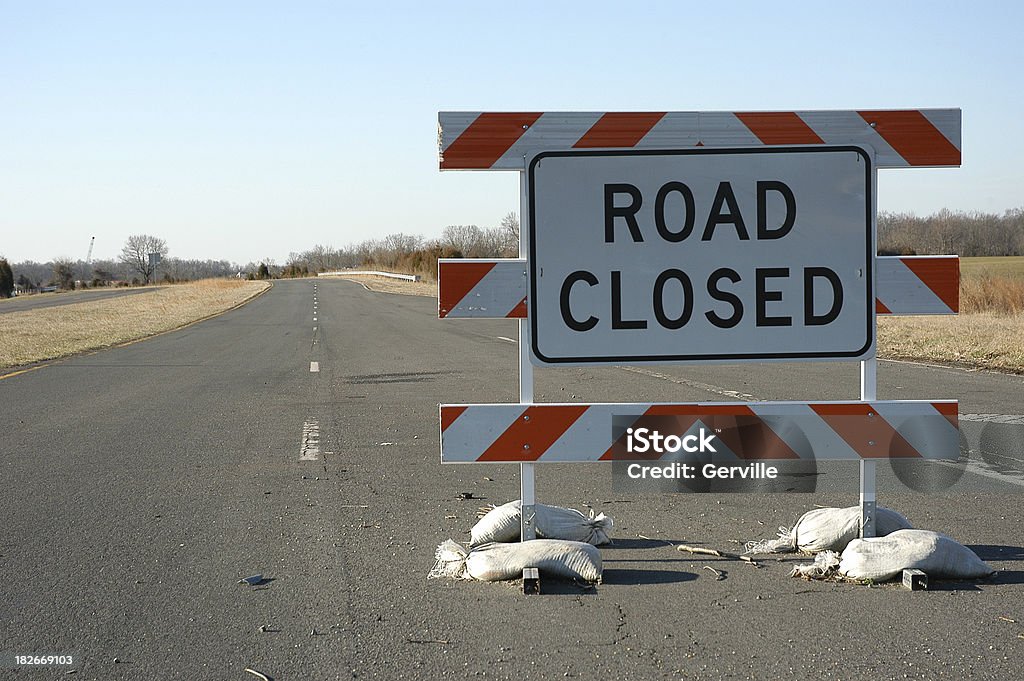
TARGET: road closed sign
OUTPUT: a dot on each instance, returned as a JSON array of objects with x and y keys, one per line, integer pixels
[{"x": 701, "y": 255}]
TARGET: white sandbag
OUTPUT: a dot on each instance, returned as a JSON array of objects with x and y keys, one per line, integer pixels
[
  {"x": 828, "y": 529},
  {"x": 883, "y": 558},
  {"x": 501, "y": 524},
  {"x": 495, "y": 561}
]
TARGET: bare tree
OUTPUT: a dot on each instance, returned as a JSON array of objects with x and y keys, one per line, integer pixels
[
  {"x": 394, "y": 247},
  {"x": 137, "y": 251},
  {"x": 463, "y": 238},
  {"x": 64, "y": 273},
  {"x": 510, "y": 223}
]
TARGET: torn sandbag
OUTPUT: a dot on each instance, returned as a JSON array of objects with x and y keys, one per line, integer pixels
[
  {"x": 827, "y": 529},
  {"x": 502, "y": 524},
  {"x": 825, "y": 566},
  {"x": 880, "y": 559},
  {"x": 496, "y": 561}
]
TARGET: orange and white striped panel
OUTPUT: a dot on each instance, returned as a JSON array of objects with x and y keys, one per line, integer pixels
[
  {"x": 495, "y": 289},
  {"x": 917, "y": 284},
  {"x": 836, "y": 431},
  {"x": 473, "y": 287},
  {"x": 501, "y": 141}
]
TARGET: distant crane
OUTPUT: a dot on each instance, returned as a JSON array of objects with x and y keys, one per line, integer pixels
[{"x": 88, "y": 259}]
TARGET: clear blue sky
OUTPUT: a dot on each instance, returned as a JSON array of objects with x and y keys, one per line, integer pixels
[{"x": 246, "y": 130}]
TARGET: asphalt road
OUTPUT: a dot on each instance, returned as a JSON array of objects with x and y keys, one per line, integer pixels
[
  {"x": 139, "y": 484},
  {"x": 41, "y": 300}
]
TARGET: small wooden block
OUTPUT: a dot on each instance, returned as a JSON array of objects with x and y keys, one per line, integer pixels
[
  {"x": 531, "y": 581},
  {"x": 915, "y": 580}
]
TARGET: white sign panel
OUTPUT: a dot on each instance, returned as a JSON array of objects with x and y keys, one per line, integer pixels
[{"x": 701, "y": 255}]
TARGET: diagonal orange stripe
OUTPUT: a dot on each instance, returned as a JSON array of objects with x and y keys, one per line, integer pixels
[
  {"x": 619, "y": 129},
  {"x": 853, "y": 423},
  {"x": 486, "y": 139},
  {"x": 455, "y": 280},
  {"x": 880, "y": 307},
  {"x": 779, "y": 127},
  {"x": 941, "y": 275},
  {"x": 519, "y": 311},
  {"x": 913, "y": 137},
  {"x": 750, "y": 438},
  {"x": 951, "y": 410},
  {"x": 449, "y": 414},
  {"x": 533, "y": 433}
]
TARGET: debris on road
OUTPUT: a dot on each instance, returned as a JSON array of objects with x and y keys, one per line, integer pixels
[
  {"x": 257, "y": 674},
  {"x": 827, "y": 529},
  {"x": 385, "y": 444},
  {"x": 825, "y": 566},
  {"x": 499, "y": 562},
  {"x": 502, "y": 524},
  {"x": 253, "y": 580},
  {"x": 466, "y": 495},
  {"x": 719, "y": 574},
  {"x": 720, "y": 554}
]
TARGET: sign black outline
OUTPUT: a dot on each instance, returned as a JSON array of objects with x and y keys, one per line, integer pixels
[{"x": 696, "y": 359}]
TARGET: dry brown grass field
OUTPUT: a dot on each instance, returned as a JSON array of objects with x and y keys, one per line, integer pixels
[
  {"x": 35, "y": 335},
  {"x": 989, "y": 331}
]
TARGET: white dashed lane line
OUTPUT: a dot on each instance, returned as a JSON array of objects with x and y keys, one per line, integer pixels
[
  {"x": 314, "y": 367},
  {"x": 309, "y": 449}
]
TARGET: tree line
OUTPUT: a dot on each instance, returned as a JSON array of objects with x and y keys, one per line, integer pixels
[
  {"x": 409, "y": 252},
  {"x": 143, "y": 260},
  {"x": 136, "y": 266},
  {"x": 948, "y": 232},
  {"x": 64, "y": 272}
]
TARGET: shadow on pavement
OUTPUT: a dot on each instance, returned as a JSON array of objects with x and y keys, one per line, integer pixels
[
  {"x": 634, "y": 577},
  {"x": 1007, "y": 577},
  {"x": 990, "y": 552}
]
